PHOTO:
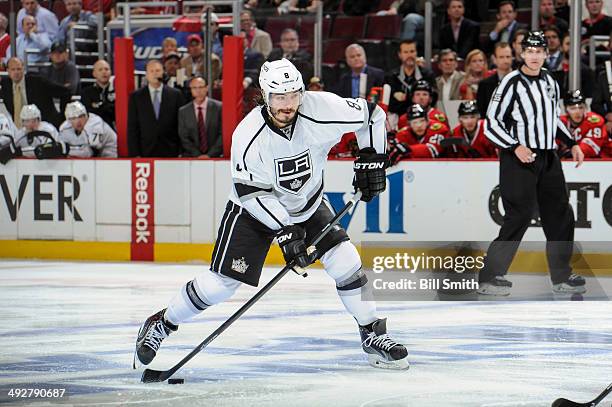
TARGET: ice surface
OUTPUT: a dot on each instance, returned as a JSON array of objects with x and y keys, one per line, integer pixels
[{"x": 73, "y": 325}]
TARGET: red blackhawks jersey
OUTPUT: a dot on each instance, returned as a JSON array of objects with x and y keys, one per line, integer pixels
[
  {"x": 427, "y": 146},
  {"x": 434, "y": 115},
  {"x": 480, "y": 143},
  {"x": 591, "y": 134}
]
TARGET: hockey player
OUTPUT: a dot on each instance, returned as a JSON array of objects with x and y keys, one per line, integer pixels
[
  {"x": 8, "y": 132},
  {"x": 35, "y": 132},
  {"x": 422, "y": 93},
  {"x": 588, "y": 128},
  {"x": 421, "y": 139},
  {"x": 279, "y": 152},
  {"x": 86, "y": 133},
  {"x": 468, "y": 139}
]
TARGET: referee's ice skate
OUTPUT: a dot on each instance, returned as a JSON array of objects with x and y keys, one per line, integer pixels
[
  {"x": 383, "y": 352},
  {"x": 150, "y": 336}
]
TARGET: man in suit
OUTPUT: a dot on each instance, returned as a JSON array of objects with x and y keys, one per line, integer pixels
[
  {"x": 502, "y": 57},
  {"x": 290, "y": 50},
  {"x": 448, "y": 83},
  {"x": 153, "y": 117},
  {"x": 19, "y": 89},
  {"x": 506, "y": 26},
  {"x": 200, "y": 123},
  {"x": 350, "y": 82},
  {"x": 461, "y": 34}
]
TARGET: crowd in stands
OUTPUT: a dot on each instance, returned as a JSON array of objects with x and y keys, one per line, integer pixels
[{"x": 173, "y": 116}]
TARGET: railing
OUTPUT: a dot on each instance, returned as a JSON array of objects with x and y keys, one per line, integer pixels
[
  {"x": 593, "y": 53},
  {"x": 29, "y": 65}
]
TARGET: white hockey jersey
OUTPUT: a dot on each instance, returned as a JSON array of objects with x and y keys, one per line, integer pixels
[
  {"x": 8, "y": 131},
  {"x": 97, "y": 138},
  {"x": 29, "y": 143},
  {"x": 278, "y": 175}
]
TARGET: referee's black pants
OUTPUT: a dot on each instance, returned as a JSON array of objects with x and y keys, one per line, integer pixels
[{"x": 522, "y": 186}]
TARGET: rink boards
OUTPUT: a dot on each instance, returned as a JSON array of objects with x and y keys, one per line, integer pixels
[{"x": 169, "y": 210}]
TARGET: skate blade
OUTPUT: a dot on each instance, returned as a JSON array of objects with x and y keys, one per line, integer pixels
[
  {"x": 380, "y": 363},
  {"x": 494, "y": 291},
  {"x": 575, "y": 290}
]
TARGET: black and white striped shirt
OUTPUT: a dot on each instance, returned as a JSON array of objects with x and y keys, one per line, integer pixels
[{"x": 525, "y": 111}]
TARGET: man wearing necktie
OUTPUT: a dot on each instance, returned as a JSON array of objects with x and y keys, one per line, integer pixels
[
  {"x": 200, "y": 123},
  {"x": 506, "y": 25},
  {"x": 153, "y": 117}
]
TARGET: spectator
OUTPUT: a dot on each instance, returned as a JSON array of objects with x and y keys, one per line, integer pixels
[
  {"x": 448, "y": 83},
  {"x": 475, "y": 71},
  {"x": 100, "y": 97},
  {"x": 194, "y": 62},
  {"x": 412, "y": 12},
  {"x": 200, "y": 123},
  {"x": 76, "y": 15},
  {"x": 548, "y": 18},
  {"x": 402, "y": 79},
  {"x": 517, "y": 49},
  {"x": 461, "y": 34},
  {"x": 421, "y": 139},
  {"x": 298, "y": 6},
  {"x": 424, "y": 96},
  {"x": 172, "y": 76},
  {"x": 506, "y": 26},
  {"x": 555, "y": 57},
  {"x": 253, "y": 60},
  {"x": 350, "y": 83},
  {"x": 5, "y": 39},
  {"x": 169, "y": 45},
  {"x": 19, "y": 89},
  {"x": 62, "y": 71},
  {"x": 562, "y": 75},
  {"x": 47, "y": 21},
  {"x": 87, "y": 134},
  {"x": 34, "y": 131},
  {"x": 562, "y": 9},
  {"x": 290, "y": 50},
  {"x": 30, "y": 38},
  {"x": 587, "y": 128},
  {"x": 602, "y": 103},
  {"x": 502, "y": 57},
  {"x": 217, "y": 44},
  {"x": 598, "y": 23},
  {"x": 316, "y": 84},
  {"x": 153, "y": 117},
  {"x": 468, "y": 139},
  {"x": 257, "y": 39}
]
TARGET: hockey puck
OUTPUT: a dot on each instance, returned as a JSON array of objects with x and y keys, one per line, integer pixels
[{"x": 176, "y": 381}]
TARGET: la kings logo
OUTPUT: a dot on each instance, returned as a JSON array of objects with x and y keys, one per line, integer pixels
[{"x": 292, "y": 173}]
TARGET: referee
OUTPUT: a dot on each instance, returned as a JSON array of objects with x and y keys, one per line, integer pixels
[{"x": 523, "y": 120}]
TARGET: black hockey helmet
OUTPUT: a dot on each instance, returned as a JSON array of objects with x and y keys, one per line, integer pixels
[
  {"x": 534, "y": 39},
  {"x": 573, "y": 98},
  {"x": 422, "y": 85},
  {"x": 467, "y": 107},
  {"x": 416, "y": 111}
]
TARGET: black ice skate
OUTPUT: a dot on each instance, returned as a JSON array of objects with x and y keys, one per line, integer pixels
[
  {"x": 575, "y": 284},
  {"x": 150, "y": 336},
  {"x": 383, "y": 352}
]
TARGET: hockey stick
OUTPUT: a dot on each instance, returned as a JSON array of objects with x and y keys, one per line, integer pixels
[
  {"x": 568, "y": 403},
  {"x": 151, "y": 376}
]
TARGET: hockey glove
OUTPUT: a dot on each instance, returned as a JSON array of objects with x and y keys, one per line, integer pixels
[
  {"x": 370, "y": 177},
  {"x": 292, "y": 244},
  {"x": 9, "y": 152},
  {"x": 399, "y": 151},
  {"x": 52, "y": 150}
]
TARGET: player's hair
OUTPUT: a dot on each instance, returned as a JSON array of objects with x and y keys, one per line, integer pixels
[
  {"x": 501, "y": 45},
  {"x": 504, "y": 2}
]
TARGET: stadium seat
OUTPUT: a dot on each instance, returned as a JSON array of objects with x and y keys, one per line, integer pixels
[
  {"x": 307, "y": 28},
  {"x": 348, "y": 27},
  {"x": 333, "y": 49},
  {"x": 375, "y": 52},
  {"x": 275, "y": 25},
  {"x": 381, "y": 27}
]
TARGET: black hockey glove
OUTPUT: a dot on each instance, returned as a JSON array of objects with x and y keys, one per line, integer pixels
[
  {"x": 291, "y": 241},
  {"x": 370, "y": 177},
  {"x": 8, "y": 152},
  {"x": 51, "y": 150},
  {"x": 399, "y": 151}
]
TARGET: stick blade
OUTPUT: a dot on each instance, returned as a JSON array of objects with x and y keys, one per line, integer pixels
[
  {"x": 154, "y": 376},
  {"x": 567, "y": 403}
]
